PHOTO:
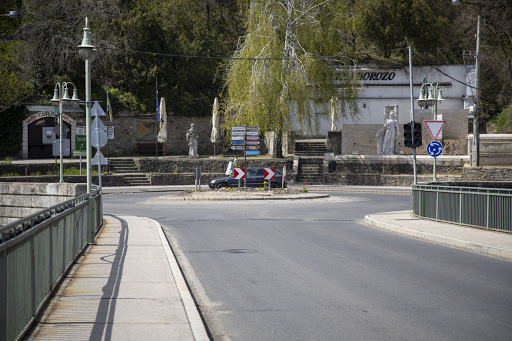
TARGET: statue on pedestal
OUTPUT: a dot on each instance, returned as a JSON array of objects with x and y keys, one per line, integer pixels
[{"x": 192, "y": 137}]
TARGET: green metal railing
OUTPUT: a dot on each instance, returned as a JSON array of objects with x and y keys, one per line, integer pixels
[
  {"x": 490, "y": 208},
  {"x": 35, "y": 254}
]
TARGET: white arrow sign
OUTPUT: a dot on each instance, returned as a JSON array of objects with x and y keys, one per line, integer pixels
[
  {"x": 434, "y": 127},
  {"x": 239, "y": 173},
  {"x": 269, "y": 173}
]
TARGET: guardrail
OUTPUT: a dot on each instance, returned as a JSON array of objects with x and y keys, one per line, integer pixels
[
  {"x": 35, "y": 254},
  {"x": 490, "y": 208}
]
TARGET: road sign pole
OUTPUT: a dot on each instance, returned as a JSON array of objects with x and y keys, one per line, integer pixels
[
  {"x": 434, "y": 178},
  {"x": 98, "y": 136}
]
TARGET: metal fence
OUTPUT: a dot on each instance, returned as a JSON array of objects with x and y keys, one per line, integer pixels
[
  {"x": 36, "y": 252},
  {"x": 490, "y": 208}
]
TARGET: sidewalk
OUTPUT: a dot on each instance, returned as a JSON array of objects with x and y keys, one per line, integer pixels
[
  {"x": 128, "y": 286},
  {"x": 487, "y": 242}
]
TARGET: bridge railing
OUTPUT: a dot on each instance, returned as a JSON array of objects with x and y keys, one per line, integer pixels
[
  {"x": 36, "y": 252},
  {"x": 489, "y": 208}
]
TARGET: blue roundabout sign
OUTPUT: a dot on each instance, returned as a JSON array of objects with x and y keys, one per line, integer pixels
[{"x": 435, "y": 149}]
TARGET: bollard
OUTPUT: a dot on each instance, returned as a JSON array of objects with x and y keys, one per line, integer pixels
[{"x": 283, "y": 179}]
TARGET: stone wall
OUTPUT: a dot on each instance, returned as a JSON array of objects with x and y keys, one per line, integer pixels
[
  {"x": 487, "y": 173},
  {"x": 22, "y": 199},
  {"x": 175, "y": 165},
  {"x": 495, "y": 149}
]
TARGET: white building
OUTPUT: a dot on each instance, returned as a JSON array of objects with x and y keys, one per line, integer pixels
[{"x": 382, "y": 86}]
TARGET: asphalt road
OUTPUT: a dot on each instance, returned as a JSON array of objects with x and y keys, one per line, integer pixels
[{"x": 311, "y": 270}]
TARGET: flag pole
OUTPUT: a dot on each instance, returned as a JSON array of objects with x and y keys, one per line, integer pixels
[{"x": 157, "y": 123}]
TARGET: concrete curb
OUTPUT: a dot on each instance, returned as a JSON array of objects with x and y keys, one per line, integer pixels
[
  {"x": 442, "y": 240},
  {"x": 279, "y": 197},
  {"x": 195, "y": 321}
]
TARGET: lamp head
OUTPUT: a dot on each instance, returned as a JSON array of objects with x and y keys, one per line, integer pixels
[
  {"x": 75, "y": 101},
  {"x": 430, "y": 100},
  {"x": 65, "y": 98},
  {"x": 455, "y": 2},
  {"x": 87, "y": 50},
  {"x": 440, "y": 96},
  {"x": 55, "y": 99},
  {"x": 421, "y": 100}
]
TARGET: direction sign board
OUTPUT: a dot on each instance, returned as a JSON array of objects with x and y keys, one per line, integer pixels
[
  {"x": 252, "y": 143},
  {"x": 237, "y": 147},
  {"x": 252, "y": 152},
  {"x": 434, "y": 127},
  {"x": 237, "y": 138},
  {"x": 238, "y": 143},
  {"x": 434, "y": 149},
  {"x": 252, "y": 138},
  {"x": 269, "y": 173},
  {"x": 239, "y": 173}
]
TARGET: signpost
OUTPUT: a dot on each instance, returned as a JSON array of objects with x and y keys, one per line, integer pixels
[
  {"x": 247, "y": 139},
  {"x": 434, "y": 148},
  {"x": 269, "y": 174},
  {"x": 239, "y": 174},
  {"x": 99, "y": 138}
]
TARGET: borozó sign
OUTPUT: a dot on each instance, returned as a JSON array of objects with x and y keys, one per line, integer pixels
[{"x": 376, "y": 76}]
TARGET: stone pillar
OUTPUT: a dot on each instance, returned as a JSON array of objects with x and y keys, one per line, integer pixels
[
  {"x": 288, "y": 143},
  {"x": 334, "y": 142}
]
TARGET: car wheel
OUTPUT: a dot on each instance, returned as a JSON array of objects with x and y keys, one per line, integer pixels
[
  {"x": 222, "y": 185},
  {"x": 274, "y": 185}
]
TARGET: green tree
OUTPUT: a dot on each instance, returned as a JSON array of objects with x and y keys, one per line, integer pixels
[
  {"x": 290, "y": 62},
  {"x": 392, "y": 24}
]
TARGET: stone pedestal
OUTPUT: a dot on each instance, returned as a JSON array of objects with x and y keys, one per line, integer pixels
[{"x": 334, "y": 142}]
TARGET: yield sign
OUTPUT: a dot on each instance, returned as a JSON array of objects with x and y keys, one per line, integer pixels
[
  {"x": 239, "y": 173},
  {"x": 269, "y": 173},
  {"x": 434, "y": 127}
]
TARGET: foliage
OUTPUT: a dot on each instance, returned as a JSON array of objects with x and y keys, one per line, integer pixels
[
  {"x": 503, "y": 121},
  {"x": 281, "y": 66},
  {"x": 350, "y": 31},
  {"x": 393, "y": 24},
  {"x": 11, "y": 133}
]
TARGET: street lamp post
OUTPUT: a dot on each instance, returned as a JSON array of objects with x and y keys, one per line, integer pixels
[
  {"x": 59, "y": 100},
  {"x": 475, "y": 146},
  {"x": 435, "y": 95},
  {"x": 88, "y": 52}
]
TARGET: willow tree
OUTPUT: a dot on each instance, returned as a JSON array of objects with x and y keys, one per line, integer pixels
[{"x": 290, "y": 63}]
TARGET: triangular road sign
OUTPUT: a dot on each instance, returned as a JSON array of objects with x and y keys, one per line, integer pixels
[
  {"x": 99, "y": 159},
  {"x": 97, "y": 110},
  {"x": 434, "y": 127}
]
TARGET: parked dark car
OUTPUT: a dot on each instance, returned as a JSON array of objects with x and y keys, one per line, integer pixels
[{"x": 254, "y": 177}]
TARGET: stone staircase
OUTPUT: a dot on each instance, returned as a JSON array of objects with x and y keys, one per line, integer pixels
[
  {"x": 310, "y": 147},
  {"x": 132, "y": 175},
  {"x": 310, "y": 170}
]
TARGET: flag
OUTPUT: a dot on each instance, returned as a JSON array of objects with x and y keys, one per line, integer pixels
[{"x": 109, "y": 108}]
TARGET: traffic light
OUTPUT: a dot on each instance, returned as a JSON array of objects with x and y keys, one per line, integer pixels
[
  {"x": 416, "y": 133},
  {"x": 408, "y": 134}
]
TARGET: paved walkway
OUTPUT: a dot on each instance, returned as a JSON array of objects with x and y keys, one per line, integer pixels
[
  {"x": 488, "y": 242},
  {"x": 126, "y": 287}
]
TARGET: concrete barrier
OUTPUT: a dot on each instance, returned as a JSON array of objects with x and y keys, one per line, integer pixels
[{"x": 19, "y": 199}]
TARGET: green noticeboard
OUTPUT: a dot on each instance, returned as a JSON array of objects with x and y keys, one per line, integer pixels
[{"x": 81, "y": 144}]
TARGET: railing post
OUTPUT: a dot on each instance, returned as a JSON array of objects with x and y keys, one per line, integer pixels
[
  {"x": 437, "y": 204},
  {"x": 3, "y": 295},
  {"x": 488, "y": 210}
]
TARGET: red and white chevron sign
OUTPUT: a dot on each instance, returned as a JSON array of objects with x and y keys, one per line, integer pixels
[
  {"x": 269, "y": 173},
  {"x": 239, "y": 173}
]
